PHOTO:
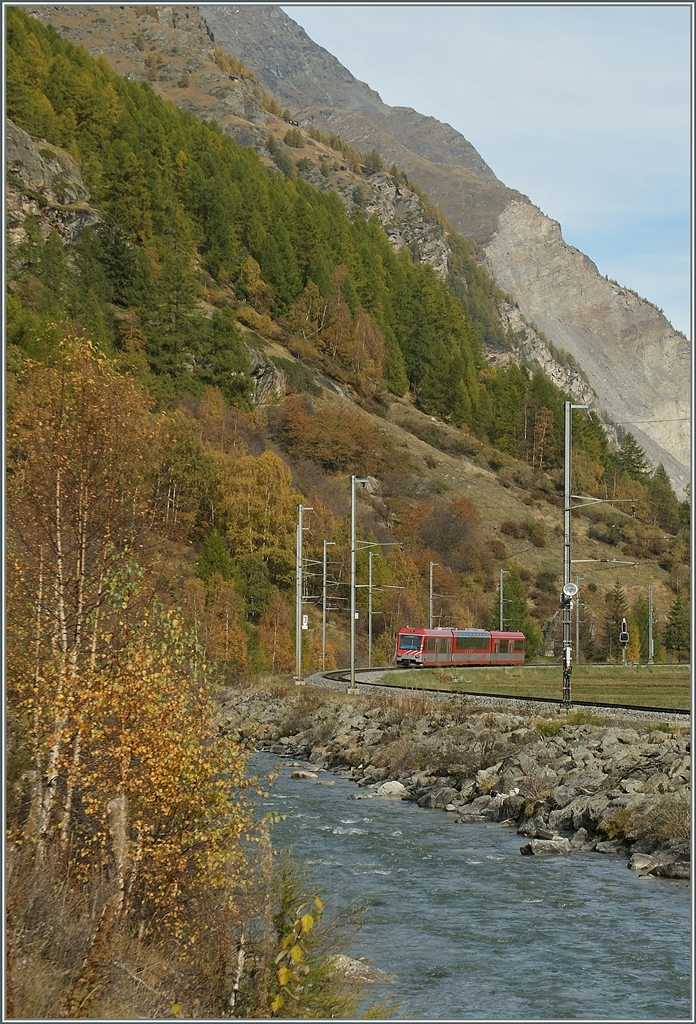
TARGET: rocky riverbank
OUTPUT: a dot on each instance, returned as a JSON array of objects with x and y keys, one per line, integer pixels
[{"x": 567, "y": 782}]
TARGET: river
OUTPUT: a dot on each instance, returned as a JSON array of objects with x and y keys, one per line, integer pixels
[{"x": 471, "y": 930}]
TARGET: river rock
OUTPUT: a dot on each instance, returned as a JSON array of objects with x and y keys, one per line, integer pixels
[
  {"x": 589, "y": 811},
  {"x": 478, "y": 805},
  {"x": 657, "y": 783},
  {"x": 301, "y": 773},
  {"x": 359, "y": 970},
  {"x": 673, "y": 869},
  {"x": 562, "y": 820},
  {"x": 513, "y": 805},
  {"x": 439, "y": 797},
  {"x": 579, "y": 839},
  {"x": 641, "y": 862},
  {"x": 546, "y": 848},
  {"x": 645, "y": 845},
  {"x": 467, "y": 789},
  {"x": 611, "y": 846},
  {"x": 392, "y": 789},
  {"x": 584, "y": 779},
  {"x": 561, "y": 796}
]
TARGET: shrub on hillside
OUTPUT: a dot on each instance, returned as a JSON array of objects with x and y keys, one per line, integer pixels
[
  {"x": 336, "y": 438},
  {"x": 293, "y": 137},
  {"x": 532, "y": 529}
]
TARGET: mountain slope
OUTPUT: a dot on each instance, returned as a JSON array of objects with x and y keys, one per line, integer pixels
[
  {"x": 323, "y": 92},
  {"x": 634, "y": 359},
  {"x": 636, "y": 362}
]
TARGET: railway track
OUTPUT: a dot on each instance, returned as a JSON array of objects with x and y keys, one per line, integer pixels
[{"x": 343, "y": 676}]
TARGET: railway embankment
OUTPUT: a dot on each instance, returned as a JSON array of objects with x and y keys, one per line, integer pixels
[{"x": 566, "y": 782}]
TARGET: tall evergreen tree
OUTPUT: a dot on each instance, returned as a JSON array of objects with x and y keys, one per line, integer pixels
[
  {"x": 631, "y": 458},
  {"x": 664, "y": 506},
  {"x": 677, "y": 636},
  {"x": 617, "y": 609}
]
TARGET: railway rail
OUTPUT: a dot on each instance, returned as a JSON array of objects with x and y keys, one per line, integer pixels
[{"x": 343, "y": 676}]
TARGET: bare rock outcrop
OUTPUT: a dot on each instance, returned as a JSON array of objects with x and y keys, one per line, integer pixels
[
  {"x": 532, "y": 348},
  {"x": 45, "y": 182},
  {"x": 638, "y": 365},
  {"x": 171, "y": 48},
  {"x": 270, "y": 382},
  {"x": 401, "y": 214}
]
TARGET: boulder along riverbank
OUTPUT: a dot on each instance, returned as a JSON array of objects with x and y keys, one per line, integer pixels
[{"x": 566, "y": 781}]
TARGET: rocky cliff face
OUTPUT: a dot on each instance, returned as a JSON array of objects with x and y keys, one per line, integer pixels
[
  {"x": 632, "y": 357},
  {"x": 530, "y": 347},
  {"x": 43, "y": 181},
  {"x": 637, "y": 363}
]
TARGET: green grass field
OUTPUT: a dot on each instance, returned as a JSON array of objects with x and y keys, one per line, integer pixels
[{"x": 663, "y": 686}]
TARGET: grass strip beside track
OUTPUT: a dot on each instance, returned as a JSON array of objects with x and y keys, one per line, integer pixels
[{"x": 660, "y": 686}]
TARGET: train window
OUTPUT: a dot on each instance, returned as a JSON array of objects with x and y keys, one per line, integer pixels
[
  {"x": 410, "y": 642},
  {"x": 503, "y": 647},
  {"x": 471, "y": 643},
  {"x": 443, "y": 647},
  {"x": 518, "y": 645},
  {"x": 430, "y": 643}
]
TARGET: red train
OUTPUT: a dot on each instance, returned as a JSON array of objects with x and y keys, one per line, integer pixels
[{"x": 443, "y": 647}]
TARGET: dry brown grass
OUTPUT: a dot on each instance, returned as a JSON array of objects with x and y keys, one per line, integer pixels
[
  {"x": 50, "y": 929},
  {"x": 671, "y": 819}
]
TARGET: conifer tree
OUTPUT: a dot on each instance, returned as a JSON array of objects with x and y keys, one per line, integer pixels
[
  {"x": 664, "y": 506},
  {"x": 215, "y": 558},
  {"x": 617, "y": 609},
  {"x": 631, "y": 458},
  {"x": 373, "y": 162},
  {"x": 677, "y": 633}
]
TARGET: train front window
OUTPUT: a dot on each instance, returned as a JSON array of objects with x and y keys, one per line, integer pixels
[{"x": 410, "y": 643}]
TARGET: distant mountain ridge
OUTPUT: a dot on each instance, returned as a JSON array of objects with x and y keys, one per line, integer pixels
[
  {"x": 315, "y": 84},
  {"x": 637, "y": 363}
]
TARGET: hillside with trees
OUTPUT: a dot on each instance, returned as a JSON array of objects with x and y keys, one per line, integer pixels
[
  {"x": 201, "y": 255},
  {"x": 152, "y": 506}
]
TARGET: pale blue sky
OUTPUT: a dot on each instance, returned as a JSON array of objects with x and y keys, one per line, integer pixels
[{"x": 584, "y": 108}]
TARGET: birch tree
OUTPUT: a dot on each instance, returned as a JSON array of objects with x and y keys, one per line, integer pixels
[{"x": 79, "y": 443}]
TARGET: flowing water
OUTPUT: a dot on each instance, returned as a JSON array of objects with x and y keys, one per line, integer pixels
[{"x": 470, "y": 929}]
